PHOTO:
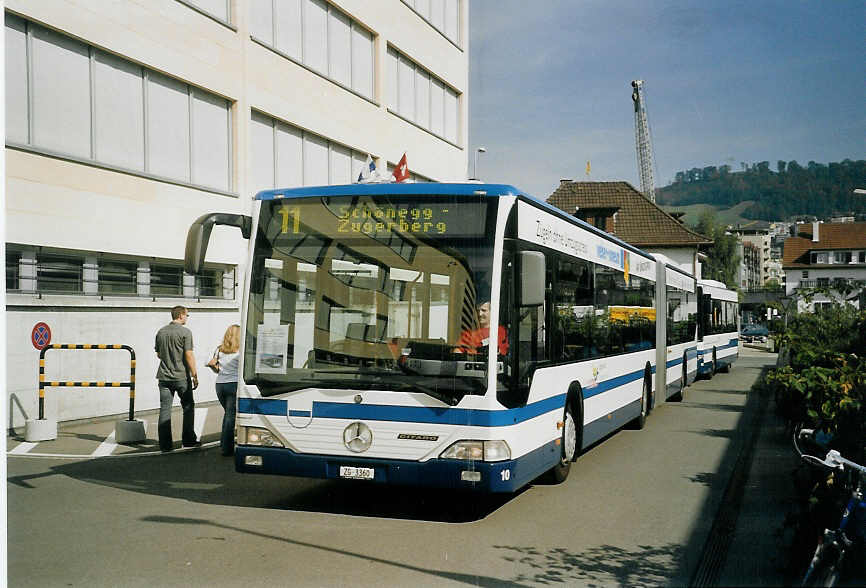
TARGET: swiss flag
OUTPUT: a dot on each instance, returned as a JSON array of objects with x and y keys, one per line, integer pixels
[{"x": 401, "y": 172}]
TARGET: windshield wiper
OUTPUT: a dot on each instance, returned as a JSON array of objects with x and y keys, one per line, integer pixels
[{"x": 441, "y": 396}]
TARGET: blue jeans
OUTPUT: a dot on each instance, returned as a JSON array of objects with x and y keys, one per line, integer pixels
[
  {"x": 227, "y": 392},
  {"x": 166, "y": 396}
]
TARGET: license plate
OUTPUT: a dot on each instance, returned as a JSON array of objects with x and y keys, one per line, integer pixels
[{"x": 356, "y": 473}]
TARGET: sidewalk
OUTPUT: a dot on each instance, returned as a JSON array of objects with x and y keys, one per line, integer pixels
[
  {"x": 758, "y": 499},
  {"x": 92, "y": 438}
]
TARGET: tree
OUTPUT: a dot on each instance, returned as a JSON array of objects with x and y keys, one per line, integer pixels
[{"x": 723, "y": 261}]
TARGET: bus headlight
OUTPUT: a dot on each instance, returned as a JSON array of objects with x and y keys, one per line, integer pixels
[
  {"x": 478, "y": 450},
  {"x": 257, "y": 436}
]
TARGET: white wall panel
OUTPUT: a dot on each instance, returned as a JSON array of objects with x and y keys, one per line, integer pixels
[
  {"x": 340, "y": 48},
  {"x": 406, "y": 88},
  {"x": 451, "y": 115},
  {"x": 437, "y": 107},
  {"x": 289, "y": 27},
  {"x": 437, "y": 14},
  {"x": 341, "y": 165},
  {"x": 118, "y": 112},
  {"x": 452, "y": 20},
  {"x": 218, "y": 8},
  {"x": 16, "y": 81},
  {"x": 391, "y": 68},
  {"x": 167, "y": 127},
  {"x": 422, "y": 98},
  {"x": 261, "y": 153},
  {"x": 315, "y": 160},
  {"x": 290, "y": 157},
  {"x": 316, "y": 35},
  {"x": 362, "y": 61},
  {"x": 61, "y": 93},
  {"x": 262, "y": 20},
  {"x": 210, "y": 147}
]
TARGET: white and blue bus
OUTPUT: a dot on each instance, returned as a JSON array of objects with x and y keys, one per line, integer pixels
[
  {"x": 718, "y": 329},
  {"x": 449, "y": 335}
]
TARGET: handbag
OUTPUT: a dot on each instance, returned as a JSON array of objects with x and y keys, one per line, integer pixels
[{"x": 214, "y": 363}]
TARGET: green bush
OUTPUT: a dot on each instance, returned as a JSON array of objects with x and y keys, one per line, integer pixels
[{"x": 825, "y": 383}]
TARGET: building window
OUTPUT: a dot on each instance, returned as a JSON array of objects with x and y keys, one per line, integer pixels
[
  {"x": 418, "y": 96},
  {"x": 58, "y": 273},
  {"x": 805, "y": 275},
  {"x": 118, "y": 277},
  {"x": 842, "y": 257},
  {"x": 285, "y": 156},
  {"x": 75, "y": 100},
  {"x": 443, "y": 15},
  {"x": 318, "y": 36},
  {"x": 13, "y": 259},
  {"x": 31, "y": 270}
]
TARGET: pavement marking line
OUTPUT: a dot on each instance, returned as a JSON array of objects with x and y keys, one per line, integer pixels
[
  {"x": 107, "y": 447},
  {"x": 200, "y": 416},
  {"x": 22, "y": 448}
]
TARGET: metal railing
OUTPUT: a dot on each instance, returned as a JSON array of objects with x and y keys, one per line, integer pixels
[{"x": 43, "y": 384}]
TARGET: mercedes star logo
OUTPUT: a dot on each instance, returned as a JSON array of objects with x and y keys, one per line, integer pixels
[{"x": 357, "y": 437}]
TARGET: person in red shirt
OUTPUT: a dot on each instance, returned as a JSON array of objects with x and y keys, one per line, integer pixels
[{"x": 471, "y": 340}]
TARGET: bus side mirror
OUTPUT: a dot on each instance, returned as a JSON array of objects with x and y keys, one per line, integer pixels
[
  {"x": 198, "y": 236},
  {"x": 532, "y": 276}
]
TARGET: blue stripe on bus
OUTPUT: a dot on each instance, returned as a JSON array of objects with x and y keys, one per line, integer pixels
[
  {"x": 300, "y": 413},
  {"x": 426, "y": 414}
]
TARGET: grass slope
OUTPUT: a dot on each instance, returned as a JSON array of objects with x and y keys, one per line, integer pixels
[{"x": 727, "y": 216}]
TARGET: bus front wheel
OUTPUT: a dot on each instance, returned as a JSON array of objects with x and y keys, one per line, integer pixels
[{"x": 568, "y": 443}]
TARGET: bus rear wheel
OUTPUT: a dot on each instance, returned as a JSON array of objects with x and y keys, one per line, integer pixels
[
  {"x": 678, "y": 395},
  {"x": 568, "y": 444},
  {"x": 640, "y": 420}
]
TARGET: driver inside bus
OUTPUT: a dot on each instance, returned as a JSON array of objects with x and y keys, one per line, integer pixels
[{"x": 473, "y": 339}]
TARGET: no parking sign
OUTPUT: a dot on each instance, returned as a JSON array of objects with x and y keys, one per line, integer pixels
[{"x": 41, "y": 336}]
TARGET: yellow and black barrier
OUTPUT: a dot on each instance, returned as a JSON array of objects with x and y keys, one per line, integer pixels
[{"x": 130, "y": 384}]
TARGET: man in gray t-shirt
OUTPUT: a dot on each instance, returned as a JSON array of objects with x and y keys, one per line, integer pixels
[{"x": 176, "y": 373}]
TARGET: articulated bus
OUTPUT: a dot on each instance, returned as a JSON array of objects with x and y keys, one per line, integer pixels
[
  {"x": 680, "y": 329},
  {"x": 448, "y": 335},
  {"x": 718, "y": 330}
]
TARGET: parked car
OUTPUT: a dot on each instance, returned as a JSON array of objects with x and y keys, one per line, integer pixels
[{"x": 754, "y": 334}]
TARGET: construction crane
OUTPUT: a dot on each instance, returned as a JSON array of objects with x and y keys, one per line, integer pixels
[{"x": 643, "y": 142}]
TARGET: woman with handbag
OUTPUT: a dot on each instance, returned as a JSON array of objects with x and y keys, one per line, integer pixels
[{"x": 225, "y": 364}]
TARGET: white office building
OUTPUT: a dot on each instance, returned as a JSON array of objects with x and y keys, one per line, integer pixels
[{"x": 127, "y": 120}]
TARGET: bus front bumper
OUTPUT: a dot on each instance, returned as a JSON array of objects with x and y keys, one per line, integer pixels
[{"x": 502, "y": 476}]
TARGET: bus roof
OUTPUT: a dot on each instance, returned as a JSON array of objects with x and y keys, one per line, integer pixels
[{"x": 389, "y": 188}]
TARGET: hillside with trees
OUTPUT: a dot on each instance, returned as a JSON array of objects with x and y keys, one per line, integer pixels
[{"x": 818, "y": 189}]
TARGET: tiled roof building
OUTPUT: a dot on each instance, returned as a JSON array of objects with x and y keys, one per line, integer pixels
[
  {"x": 619, "y": 209},
  {"x": 826, "y": 255},
  {"x": 627, "y": 214}
]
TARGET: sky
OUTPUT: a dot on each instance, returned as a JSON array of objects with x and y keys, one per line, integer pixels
[{"x": 726, "y": 82}]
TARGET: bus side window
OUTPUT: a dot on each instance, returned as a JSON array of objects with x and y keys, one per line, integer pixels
[{"x": 573, "y": 309}]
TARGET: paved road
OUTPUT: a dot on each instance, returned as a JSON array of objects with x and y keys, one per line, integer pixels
[{"x": 637, "y": 509}]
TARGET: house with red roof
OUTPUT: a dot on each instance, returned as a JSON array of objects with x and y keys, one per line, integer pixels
[
  {"x": 829, "y": 256},
  {"x": 619, "y": 209}
]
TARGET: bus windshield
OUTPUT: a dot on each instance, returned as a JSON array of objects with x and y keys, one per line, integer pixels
[{"x": 371, "y": 293}]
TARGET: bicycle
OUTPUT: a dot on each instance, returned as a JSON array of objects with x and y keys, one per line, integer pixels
[{"x": 834, "y": 546}]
